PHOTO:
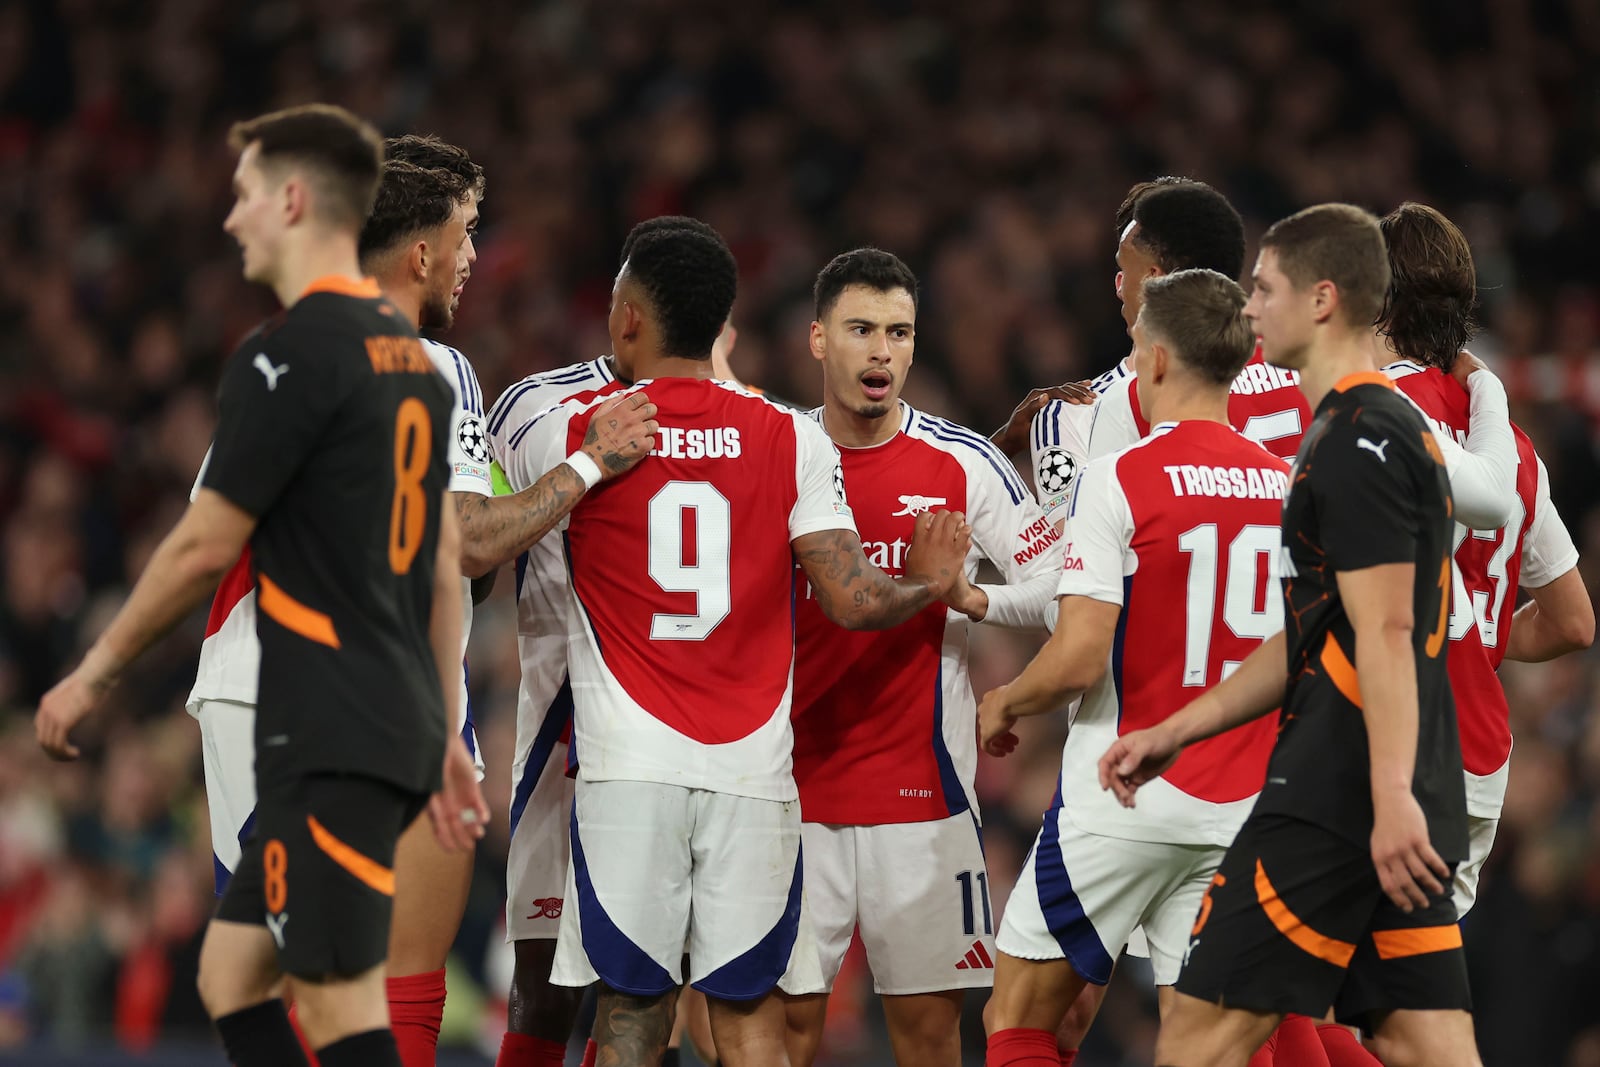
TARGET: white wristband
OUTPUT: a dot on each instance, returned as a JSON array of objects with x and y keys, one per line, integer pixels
[{"x": 585, "y": 468}]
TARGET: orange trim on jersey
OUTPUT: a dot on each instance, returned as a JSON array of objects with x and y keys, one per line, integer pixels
[
  {"x": 1362, "y": 377},
  {"x": 1289, "y": 925},
  {"x": 1398, "y": 944},
  {"x": 289, "y": 613},
  {"x": 369, "y": 872},
  {"x": 366, "y": 288},
  {"x": 1341, "y": 671}
]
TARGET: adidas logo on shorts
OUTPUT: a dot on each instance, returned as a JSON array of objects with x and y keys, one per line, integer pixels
[{"x": 976, "y": 959}]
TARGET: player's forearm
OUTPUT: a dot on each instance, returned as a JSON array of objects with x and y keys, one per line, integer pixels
[
  {"x": 1386, "y": 675},
  {"x": 1255, "y": 688},
  {"x": 1483, "y": 477},
  {"x": 1061, "y": 672},
  {"x": 851, "y": 591},
  {"x": 496, "y": 530},
  {"x": 182, "y": 573},
  {"x": 1022, "y": 605},
  {"x": 1557, "y": 620}
]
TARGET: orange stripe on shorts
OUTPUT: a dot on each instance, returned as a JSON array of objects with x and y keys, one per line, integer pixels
[
  {"x": 370, "y": 872},
  {"x": 1397, "y": 944},
  {"x": 1289, "y": 925}
]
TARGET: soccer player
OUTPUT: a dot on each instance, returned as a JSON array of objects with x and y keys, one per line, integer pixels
[
  {"x": 680, "y": 647},
  {"x": 1193, "y": 507},
  {"x": 1427, "y": 320},
  {"x": 326, "y": 461},
  {"x": 540, "y": 1015},
  {"x": 1336, "y": 891},
  {"x": 418, "y": 243},
  {"x": 884, "y": 748}
]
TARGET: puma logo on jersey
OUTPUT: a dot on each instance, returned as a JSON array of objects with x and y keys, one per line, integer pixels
[
  {"x": 268, "y": 371},
  {"x": 1376, "y": 450},
  {"x": 547, "y": 908},
  {"x": 275, "y": 924},
  {"x": 917, "y": 505}
]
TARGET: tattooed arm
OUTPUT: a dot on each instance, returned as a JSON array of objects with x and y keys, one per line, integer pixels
[
  {"x": 496, "y": 529},
  {"x": 858, "y": 596},
  {"x": 632, "y": 1031}
]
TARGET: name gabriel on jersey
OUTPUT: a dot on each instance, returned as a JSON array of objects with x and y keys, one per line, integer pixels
[{"x": 717, "y": 442}]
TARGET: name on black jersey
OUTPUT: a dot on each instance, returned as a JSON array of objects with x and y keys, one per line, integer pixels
[
  {"x": 398, "y": 355},
  {"x": 1239, "y": 483},
  {"x": 716, "y": 442}
]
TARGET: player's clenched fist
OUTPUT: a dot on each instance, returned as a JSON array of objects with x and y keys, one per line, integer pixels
[
  {"x": 621, "y": 433},
  {"x": 59, "y": 711},
  {"x": 995, "y": 723},
  {"x": 939, "y": 547}
]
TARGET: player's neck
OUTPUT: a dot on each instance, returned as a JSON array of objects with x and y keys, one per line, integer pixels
[
  {"x": 853, "y": 430},
  {"x": 313, "y": 257},
  {"x": 1199, "y": 405},
  {"x": 1332, "y": 360},
  {"x": 660, "y": 365},
  {"x": 406, "y": 299}
]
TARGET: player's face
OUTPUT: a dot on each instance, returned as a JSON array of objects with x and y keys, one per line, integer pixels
[
  {"x": 865, "y": 345},
  {"x": 447, "y": 276},
  {"x": 256, "y": 219},
  {"x": 1134, "y": 265},
  {"x": 1280, "y": 314}
]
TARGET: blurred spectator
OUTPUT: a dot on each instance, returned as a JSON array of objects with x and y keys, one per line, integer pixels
[{"x": 987, "y": 144}]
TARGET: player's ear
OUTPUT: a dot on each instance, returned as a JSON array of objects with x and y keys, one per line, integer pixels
[
  {"x": 417, "y": 259},
  {"x": 293, "y": 199},
  {"x": 1159, "y": 362},
  {"x": 1324, "y": 300},
  {"x": 631, "y": 321},
  {"x": 819, "y": 341}
]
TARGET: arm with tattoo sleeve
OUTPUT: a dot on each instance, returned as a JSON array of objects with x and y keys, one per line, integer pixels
[{"x": 858, "y": 596}]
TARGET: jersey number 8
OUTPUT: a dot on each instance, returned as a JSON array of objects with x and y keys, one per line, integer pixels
[{"x": 413, "y": 448}]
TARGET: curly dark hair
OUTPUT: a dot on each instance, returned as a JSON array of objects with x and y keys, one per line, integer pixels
[
  {"x": 431, "y": 153},
  {"x": 662, "y": 224},
  {"x": 1186, "y": 224},
  {"x": 411, "y": 200},
  {"x": 870, "y": 267},
  {"x": 690, "y": 279},
  {"x": 1136, "y": 192},
  {"x": 1433, "y": 286}
]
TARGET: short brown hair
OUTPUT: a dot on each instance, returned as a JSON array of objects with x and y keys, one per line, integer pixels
[
  {"x": 341, "y": 153},
  {"x": 411, "y": 201},
  {"x": 1200, "y": 313},
  {"x": 1433, "y": 285},
  {"x": 1338, "y": 243},
  {"x": 432, "y": 153}
]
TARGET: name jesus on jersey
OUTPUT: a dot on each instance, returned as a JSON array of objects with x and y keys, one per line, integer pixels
[{"x": 716, "y": 442}]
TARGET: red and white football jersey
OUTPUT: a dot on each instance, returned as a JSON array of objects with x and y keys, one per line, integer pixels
[
  {"x": 885, "y": 724},
  {"x": 680, "y": 638},
  {"x": 544, "y": 699},
  {"x": 1182, "y": 531},
  {"x": 1264, "y": 403},
  {"x": 1488, "y": 566},
  {"x": 230, "y": 656}
]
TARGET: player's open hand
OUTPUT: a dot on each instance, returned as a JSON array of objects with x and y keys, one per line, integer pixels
[
  {"x": 995, "y": 723},
  {"x": 457, "y": 810},
  {"x": 62, "y": 708},
  {"x": 1013, "y": 436},
  {"x": 621, "y": 433},
  {"x": 1409, "y": 869},
  {"x": 939, "y": 546},
  {"x": 1134, "y": 759},
  {"x": 1466, "y": 363}
]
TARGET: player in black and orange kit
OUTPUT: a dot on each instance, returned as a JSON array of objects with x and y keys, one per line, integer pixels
[
  {"x": 1336, "y": 892},
  {"x": 329, "y": 460}
]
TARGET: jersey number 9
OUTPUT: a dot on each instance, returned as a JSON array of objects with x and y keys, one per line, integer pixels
[{"x": 691, "y": 531}]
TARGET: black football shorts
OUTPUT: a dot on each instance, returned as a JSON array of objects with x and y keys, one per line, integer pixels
[
  {"x": 318, "y": 871},
  {"x": 1296, "y": 921}
]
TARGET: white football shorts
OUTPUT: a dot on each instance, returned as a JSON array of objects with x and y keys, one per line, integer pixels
[
  {"x": 658, "y": 869},
  {"x": 541, "y": 813},
  {"x": 919, "y": 893},
  {"x": 1485, "y": 796},
  {"x": 1080, "y": 895}
]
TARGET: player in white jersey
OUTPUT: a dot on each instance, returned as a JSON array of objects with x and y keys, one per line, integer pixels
[
  {"x": 884, "y": 722},
  {"x": 418, "y": 243},
  {"x": 680, "y": 647}
]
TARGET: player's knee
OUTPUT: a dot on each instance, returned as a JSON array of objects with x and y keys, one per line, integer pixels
[{"x": 1415, "y": 1047}]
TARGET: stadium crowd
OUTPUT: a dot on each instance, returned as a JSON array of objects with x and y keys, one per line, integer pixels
[{"x": 987, "y": 144}]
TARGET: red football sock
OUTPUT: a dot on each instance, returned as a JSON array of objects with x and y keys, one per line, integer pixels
[
  {"x": 1018, "y": 1047},
  {"x": 416, "y": 1007},
  {"x": 591, "y": 1052},
  {"x": 1298, "y": 1044},
  {"x": 1068, "y": 1057},
  {"x": 1344, "y": 1049},
  {"x": 1264, "y": 1055},
  {"x": 521, "y": 1050},
  {"x": 305, "y": 1046}
]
